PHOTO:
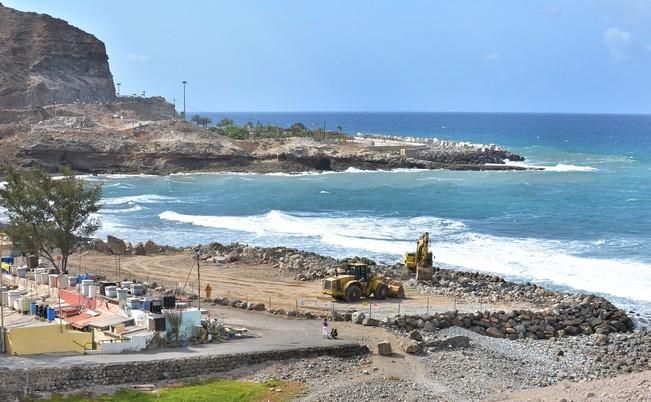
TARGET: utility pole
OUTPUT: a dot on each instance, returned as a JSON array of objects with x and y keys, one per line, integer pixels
[
  {"x": 199, "y": 278},
  {"x": 2, "y": 313},
  {"x": 184, "y": 84}
]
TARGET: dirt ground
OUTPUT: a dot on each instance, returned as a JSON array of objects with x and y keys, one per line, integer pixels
[
  {"x": 628, "y": 387},
  {"x": 256, "y": 283}
]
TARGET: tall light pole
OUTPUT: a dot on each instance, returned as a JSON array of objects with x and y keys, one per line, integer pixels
[
  {"x": 118, "y": 85},
  {"x": 184, "y": 84}
]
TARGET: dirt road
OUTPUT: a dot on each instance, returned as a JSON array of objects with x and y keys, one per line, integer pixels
[{"x": 257, "y": 283}]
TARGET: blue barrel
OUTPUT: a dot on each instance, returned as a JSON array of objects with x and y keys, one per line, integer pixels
[
  {"x": 33, "y": 309},
  {"x": 50, "y": 314}
]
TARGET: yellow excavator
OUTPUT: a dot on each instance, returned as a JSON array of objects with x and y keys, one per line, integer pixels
[
  {"x": 358, "y": 281},
  {"x": 420, "y": 261}
]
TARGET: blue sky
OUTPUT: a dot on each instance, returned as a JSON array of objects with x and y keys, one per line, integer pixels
[{"x": 376, "y": 55}]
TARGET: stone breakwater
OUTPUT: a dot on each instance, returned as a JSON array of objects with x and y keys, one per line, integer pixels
[
  {"x": 587, "y": 315},
  {"x": 19, "y": 382}
]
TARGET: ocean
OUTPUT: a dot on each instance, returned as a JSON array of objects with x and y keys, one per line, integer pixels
[{"x": 583, "y": 223}]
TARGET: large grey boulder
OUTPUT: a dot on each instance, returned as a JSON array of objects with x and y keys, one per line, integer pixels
[
  {"x": 384, "y": 348},
  {"x": 116, "y": 245},
  {"x": 139, "y": 249},
  {"x": 358, "y": 317},
  {"x": 100, "y": 246}
]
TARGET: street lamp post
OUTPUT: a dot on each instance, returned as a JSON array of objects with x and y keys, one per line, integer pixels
[{"x": 184, "y": 84}]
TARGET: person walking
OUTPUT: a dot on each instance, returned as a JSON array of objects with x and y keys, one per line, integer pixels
[{"x": 324, "y": 332}]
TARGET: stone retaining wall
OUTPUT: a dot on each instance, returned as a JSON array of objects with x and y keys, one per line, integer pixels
[{"x": 19, "y": 382}]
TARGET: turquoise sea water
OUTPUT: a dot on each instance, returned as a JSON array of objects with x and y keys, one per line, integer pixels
[{"x": 584, "y": 223}]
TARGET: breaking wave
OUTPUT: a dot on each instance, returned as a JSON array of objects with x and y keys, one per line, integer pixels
[
  {"x": 140, "y": 199},
  {"x": 550, "y": 262}
]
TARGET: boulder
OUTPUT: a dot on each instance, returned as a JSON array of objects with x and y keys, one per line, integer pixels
[
  {"x": 232, "y": 256},
  {"x": 139, "y": 249},
  {"x": 453, "y": 342},
  {"x": 384, "y": 348},
  {"x": 429, "y": 326},
  {"x": 292, "y": 313},
  {"x": 151, "y": 247},
  {"x": 256, "y": 306},
  {"x": 370, "y": 322},
  {"x": 358, "y": 317},
  {"x": 117, "y": 246},
  {"x": 416, "y": 335},
  {"x": 100, "y": 246},
  {"x": 494, "y": 332},
  {"x": 410, "y": 346}
]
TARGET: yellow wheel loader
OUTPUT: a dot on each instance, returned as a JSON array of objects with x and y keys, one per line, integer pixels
[
  {"x": 358, "y": 281},
  {"x": 421, "y": 261}
]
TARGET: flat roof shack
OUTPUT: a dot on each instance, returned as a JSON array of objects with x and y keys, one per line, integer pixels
[{"x": 38, "y": 338}]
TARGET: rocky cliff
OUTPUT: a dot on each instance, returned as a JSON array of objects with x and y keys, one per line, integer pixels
[{"x": 45, "y": 60}]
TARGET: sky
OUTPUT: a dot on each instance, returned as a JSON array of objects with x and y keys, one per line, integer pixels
[{"x": 375, "y": 55}]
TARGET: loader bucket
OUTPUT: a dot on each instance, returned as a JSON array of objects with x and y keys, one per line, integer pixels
[{"x": 396, "y": 289}]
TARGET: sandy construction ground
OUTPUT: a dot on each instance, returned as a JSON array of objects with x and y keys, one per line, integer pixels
[{"x": 256, "y": 283}]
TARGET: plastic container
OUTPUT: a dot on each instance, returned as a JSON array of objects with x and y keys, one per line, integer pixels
[
  {"x": 137, "y": 289},
  {"x": 63, "y": 281},
  {"x": 145, "y": 304},
  {"x": 53, "y": 280},
  {"x": 85, "y": 286},
  {"x": 134, "y": 303},
  {"x": 21, "y": 272},
  {"x": 12, "y": 298},
  {"x": 72, "y": 281},
  {"x": 111, "y": 291},
  {"x": 181, "y": 305},
  {"x": 122, "y": 293},
  {"x": 33, "y": 308},
  {"x": 92, "y": 291},
  {"x": 51, "y": 314},
  {"x": 23, "y": 304},
  {"x": 127, "y": 284}
]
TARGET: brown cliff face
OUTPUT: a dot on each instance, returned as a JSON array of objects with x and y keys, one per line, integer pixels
[{"x": 45, "y": 60}]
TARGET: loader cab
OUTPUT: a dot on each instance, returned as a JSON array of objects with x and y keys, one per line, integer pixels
[{"x": 359, "y": 270}]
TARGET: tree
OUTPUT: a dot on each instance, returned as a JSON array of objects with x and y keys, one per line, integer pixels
[
  {"x": 225, "y": 122},
  {"x": 196, "y": 119},
  {"x": 48, "y": 214},
  {"x": 204, "y": 122}
]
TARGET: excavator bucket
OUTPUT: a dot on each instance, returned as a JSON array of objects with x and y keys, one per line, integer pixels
[{"x": 424, "y": 273}]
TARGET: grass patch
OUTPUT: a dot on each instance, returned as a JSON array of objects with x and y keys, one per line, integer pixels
[{"x": 213, "y": 390}]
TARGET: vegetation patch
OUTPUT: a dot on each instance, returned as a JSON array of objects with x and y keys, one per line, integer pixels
[{"x": 213, "y": 390}]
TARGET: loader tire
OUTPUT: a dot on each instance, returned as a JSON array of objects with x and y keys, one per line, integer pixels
[
  {"x": 353, "y": 293},
  {"x": 381, "y": 292}
]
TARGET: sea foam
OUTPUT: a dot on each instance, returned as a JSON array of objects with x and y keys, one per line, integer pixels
[{"x": 562, "y": 264}]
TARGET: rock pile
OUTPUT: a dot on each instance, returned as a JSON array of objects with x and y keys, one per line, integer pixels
[
  {"x": 304, "y": 265},
  {"x": 586, "y": 315},
  {"x": 484, "y": 287},
  {"x": 116, "y": 246}
]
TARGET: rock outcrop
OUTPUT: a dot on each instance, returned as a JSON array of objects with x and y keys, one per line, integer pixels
[{"x": 45, "y": 60}]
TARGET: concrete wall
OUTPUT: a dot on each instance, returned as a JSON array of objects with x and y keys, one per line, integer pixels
[
  {"x": 136, "y": 343},
  {"x": 45, "y": 339},
  {"x": 18, "y": 382}
]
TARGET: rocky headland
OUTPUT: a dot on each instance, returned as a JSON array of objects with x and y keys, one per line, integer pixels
[{"x": 58, "y": 107}]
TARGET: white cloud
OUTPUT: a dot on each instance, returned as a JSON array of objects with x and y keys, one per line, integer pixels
[
  {"x": 618, "y": 43},
  {"x": 137, "y": 58}
]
